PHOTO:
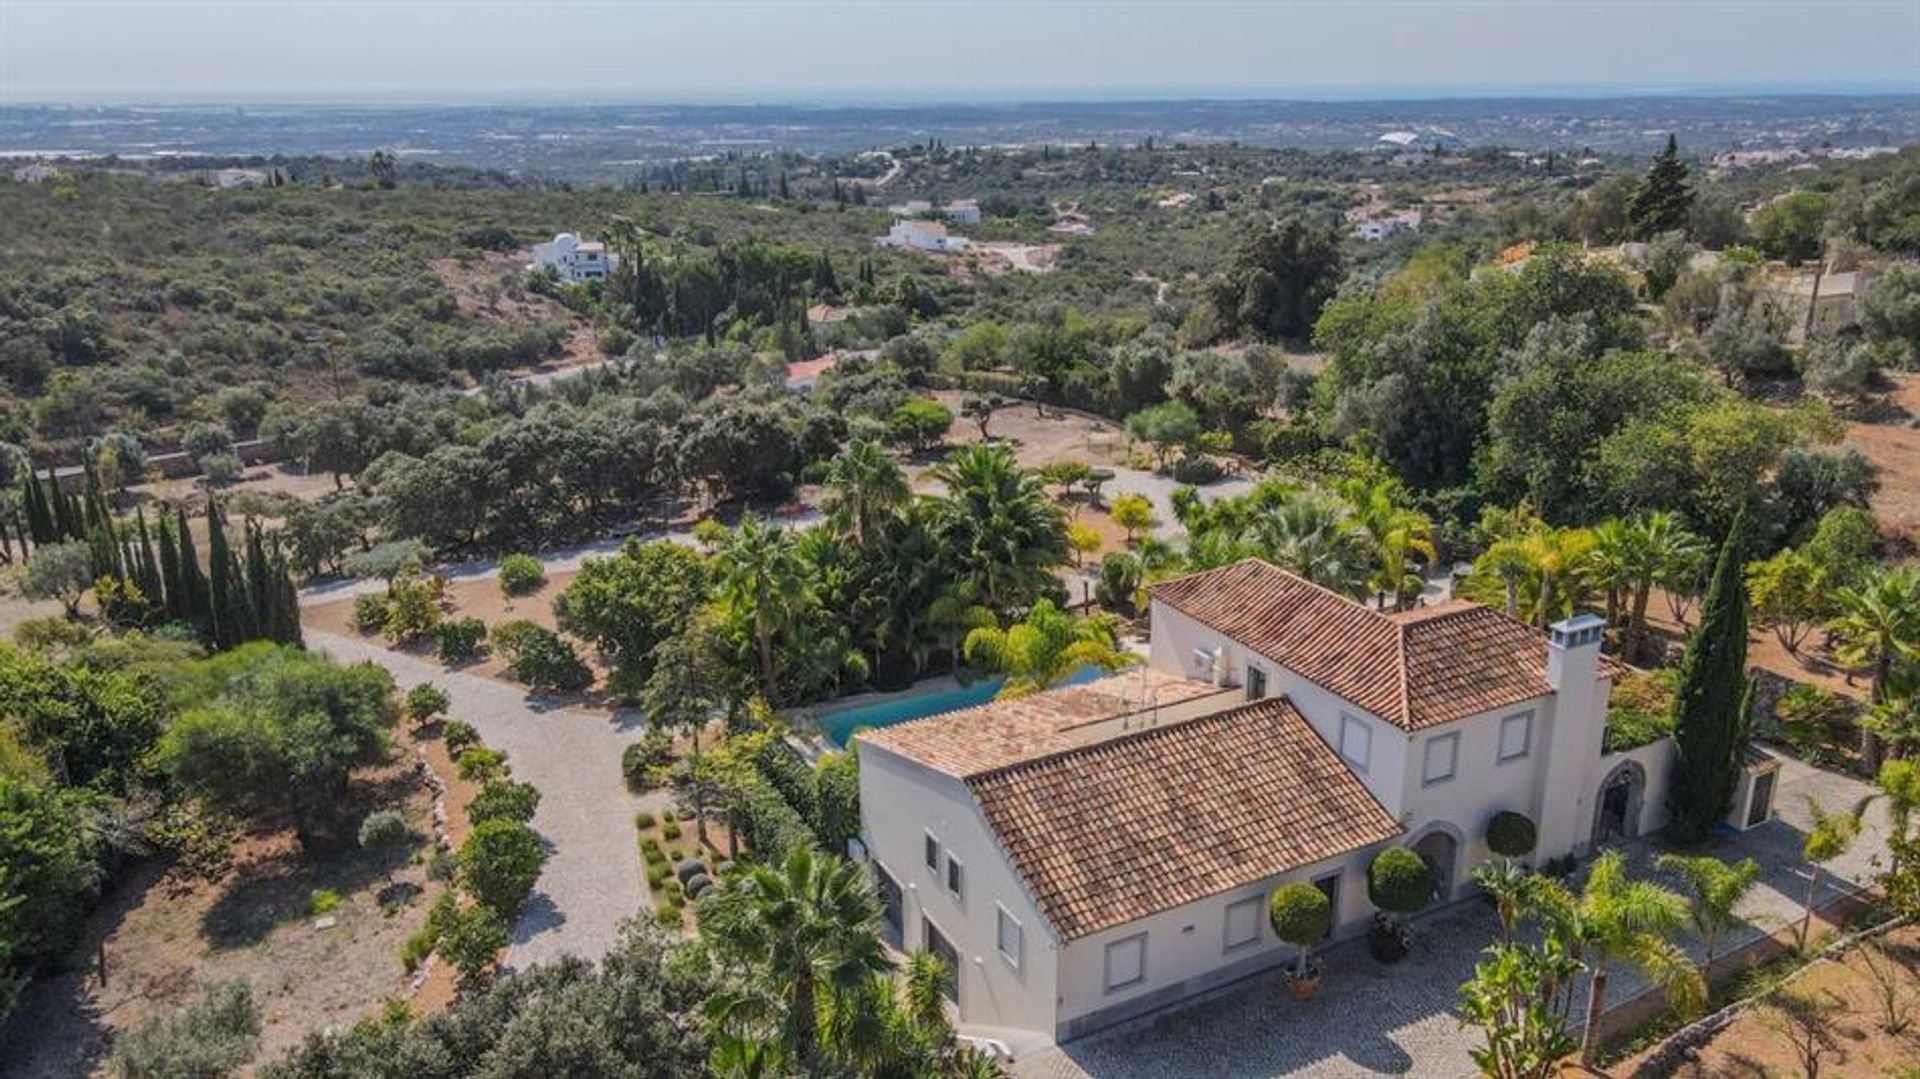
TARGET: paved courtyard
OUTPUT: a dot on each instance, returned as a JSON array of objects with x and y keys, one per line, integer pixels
[{"x": 1371, "y": 1019}]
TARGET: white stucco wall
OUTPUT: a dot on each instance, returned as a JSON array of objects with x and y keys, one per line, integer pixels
[
  {"x": 1175, "y": 637},
  {"x": 1186, "y": 948},
  {"x": 900, "y": 802}
]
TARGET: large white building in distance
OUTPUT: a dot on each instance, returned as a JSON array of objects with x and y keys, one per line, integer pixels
[
  {"x": 573, "y": 259},
  {"x": 1092, "y": 853},
  {"x": 920, "y": 235}
]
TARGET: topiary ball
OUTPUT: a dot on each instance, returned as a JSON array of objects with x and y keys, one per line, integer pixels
[
  {"x": 1399, "y": 881},
  {"x": 1511, "y": 835}
]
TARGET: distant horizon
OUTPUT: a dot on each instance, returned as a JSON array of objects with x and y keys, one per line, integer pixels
[{"x": 920, "y": 98}]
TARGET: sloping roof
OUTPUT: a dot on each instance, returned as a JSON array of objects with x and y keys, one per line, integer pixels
[
  {"x": 969, "y": 741},
  {"x": 1415, "y": 669},
  {"x": 1107, "y": 833}
]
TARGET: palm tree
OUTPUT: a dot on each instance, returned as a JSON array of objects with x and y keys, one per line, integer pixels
[
  {"x": 1511, "y": 886},
  {"x": 1713, "y": 889},
  {"x": 1400, "y": 539},
  {"x": 760, "y": 579},
  {"x": 1879, "y": 622},
  {"x": 1308, "y": 534},
  {"x": 1660, "y": 548},
  {"x": 1611, "y": 565},
  {"x": 1832, "y": 833},
  {"x": 998, "y": 525},
  {"x": 803, "y": 934},
  {"x": 1613, "y": 920},
  {"x": 1046, "y": 648},
  {"x": 864, "y": 485}
]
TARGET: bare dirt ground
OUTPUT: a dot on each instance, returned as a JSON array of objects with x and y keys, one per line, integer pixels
[
  {"x": 1813, "y": 664},
  {"x": 488, "y": 291},
  {"x": 282, "y": 478},
  {"x": 165, "y": 932},
  {"x": 1892, "y": 442},
  {"x": 481, "y": 598},
  {"x": 1753, "y": 1047}
]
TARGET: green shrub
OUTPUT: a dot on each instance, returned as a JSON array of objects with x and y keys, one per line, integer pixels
[
  {"x": 459, "y": 735},
  {"x": 1398, "y": 881},
  {"x": 384, "y": 830},
  {"x": 322, "y": 901},
  {"x": 440, "y": 864},
  {"x": 670, "y": 831},
  {"x": 1511, "y": 835},
  {"x": 460, "y": 639},
  {"x": 657, "y": 873},
  {"x": 541, "y": 658},
  {"x": 521, "y": 574},
  {"x": 1640, "y": 710},
  {"x": 212, "y": 1037},
  {"x": 479, "y": 763},
  {"x": 643, "y": 820},
  {"x": 416, "y": 948},
  {"x": 471, "y": 939},
  {"x": 369, "y": 612},
  {"x": 413, "y": 609},
  {"x": 499, "y": 863},
  {"x": 425, "y": 701},
  {"x": 504, "y": 799},
  {"x": 667, "y": 916},
  {"x": 642, "y": 762},
  {"x": 836, "y": 781}
]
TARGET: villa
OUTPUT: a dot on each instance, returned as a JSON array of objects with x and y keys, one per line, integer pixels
[
  {"x": 918, "y": 235},
  {"x": 574, "y": 260},
  {"x": 1092, "y": 853}
]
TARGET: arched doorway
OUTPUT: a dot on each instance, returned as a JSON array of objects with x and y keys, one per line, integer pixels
[
  {"x": 1440, "y": 849},
  {"x": 1616, "y": 813}
]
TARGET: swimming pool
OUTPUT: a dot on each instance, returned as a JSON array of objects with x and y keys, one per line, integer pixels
[{"x": 839, "y": 726}]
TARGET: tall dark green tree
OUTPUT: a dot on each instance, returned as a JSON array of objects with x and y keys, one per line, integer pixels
[
  {"x": 191, "y": 583},
  {"x": 39, "y": 513},
  {"x": 1662, "y": 201},
  {"x": 1713, "y": 703}
]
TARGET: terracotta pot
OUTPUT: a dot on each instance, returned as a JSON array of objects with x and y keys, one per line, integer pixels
[{"x": 1304, "y": 988}]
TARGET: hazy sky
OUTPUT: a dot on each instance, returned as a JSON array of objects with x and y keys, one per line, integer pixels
[{"x": 761, "y": 50}]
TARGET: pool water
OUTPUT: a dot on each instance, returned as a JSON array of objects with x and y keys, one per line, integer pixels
[{"x": 839, "y": 726}]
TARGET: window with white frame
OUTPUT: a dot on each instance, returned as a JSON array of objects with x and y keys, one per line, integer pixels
[
  {"x": 956, "y": 877},
  {"x": 1126, "y": 962},
  {"x": 1243, "y": 922},
  {"x": 1356, "y": 741},
  {"x": 1516, "y": 736},
  {"x": 1442, "y": 756},
  {"x": 932, "y": 852},
  {"x": 1256, "y": 682},
  {"x": 1012, "y": 936}
]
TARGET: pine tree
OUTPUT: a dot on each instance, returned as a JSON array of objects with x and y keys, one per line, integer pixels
[
  {"x": 1711, "y": 705},
  {"x": 1663, "y": 200}
]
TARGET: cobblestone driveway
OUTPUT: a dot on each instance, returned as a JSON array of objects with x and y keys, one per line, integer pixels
[{"x": 1372, "y": 1020}]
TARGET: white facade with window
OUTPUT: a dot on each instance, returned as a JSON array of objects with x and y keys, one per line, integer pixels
[{"x": 573, "y": 260}]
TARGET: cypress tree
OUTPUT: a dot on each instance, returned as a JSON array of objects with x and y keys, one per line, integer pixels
[
  {"x": 39, "y": 517},
  {"x": 226, "y": 592},
  {"x": 170, "y": 574},
  {"x": 147, "y": 569},
  {"x": 194, "y": 609},
  {"x": 1663, "y": 200},
  {"x": 259, "y": 574},
  {"x": 64, "y": 526},
  {"x": 1712, "y": 701}
]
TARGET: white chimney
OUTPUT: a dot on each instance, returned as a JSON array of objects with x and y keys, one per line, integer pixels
[{"x": 1575, "y": 735}]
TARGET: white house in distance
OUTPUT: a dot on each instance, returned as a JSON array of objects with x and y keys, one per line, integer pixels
[
  {"x": 574, "y": 259},
  {"x": 1092, "y": 853},
  {"x": 918, "y": 235},
  {"x": 1385, "y": 225}
]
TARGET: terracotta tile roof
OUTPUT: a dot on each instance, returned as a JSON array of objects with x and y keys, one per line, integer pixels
[
  {"x": 1107, "y": 833},
  {"x": 974, "y": 740},
  {"x": 1415, "y": 669}
]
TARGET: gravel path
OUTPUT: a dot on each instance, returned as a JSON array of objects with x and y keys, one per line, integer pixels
[{"x": 593, "y": 878}]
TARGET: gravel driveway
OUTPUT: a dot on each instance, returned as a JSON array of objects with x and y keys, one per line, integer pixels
[{"x": 593, "y": 878}]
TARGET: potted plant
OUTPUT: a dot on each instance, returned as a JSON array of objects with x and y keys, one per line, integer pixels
[
  {"x": 1301, "y": 916},
  {"x": 1399, "y": 883}
]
